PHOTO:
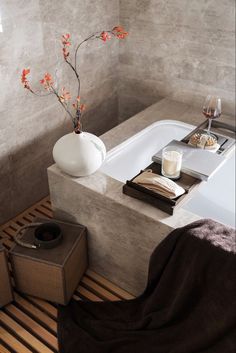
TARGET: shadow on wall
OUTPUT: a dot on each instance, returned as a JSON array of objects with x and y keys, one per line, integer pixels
[
  {"x": 23, "y": 172},
  {"x": 101, "y": 118},
  {"x": 23, "y": 180},
  {"x": 132, "y": 103}
]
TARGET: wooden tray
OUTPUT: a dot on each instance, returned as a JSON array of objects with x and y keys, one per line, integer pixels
[{"x": 187, "y": 182}]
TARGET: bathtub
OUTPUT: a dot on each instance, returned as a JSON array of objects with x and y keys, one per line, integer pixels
[
  {"x": 214, "y": 199},
  {"x": 123, "y": 231}
]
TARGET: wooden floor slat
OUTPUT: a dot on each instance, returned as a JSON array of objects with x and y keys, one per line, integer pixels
[
  {"x": 12, "y": 342},
  {"x": 23, "y": 333},
  {"x": 3, "y": 349},
  {"x": 98, "y": 290},
  {"x": 7, "y": 243},
  {"x": 45, "y": 306},
  {"x": 108, "y": 285},
  {"x": 9, "y": 232},
  {"x": 32, "y": 326},
  {"x": 84, "y": 293},
  {"x": 44, "y": 211},
  {"x": 36, "y": 313},
  {"x": 29, "y": 325}
]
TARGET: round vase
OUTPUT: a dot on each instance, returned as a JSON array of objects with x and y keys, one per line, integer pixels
[{"x": 79, "y": 154}]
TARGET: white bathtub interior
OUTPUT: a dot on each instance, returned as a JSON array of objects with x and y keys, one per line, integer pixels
[
  {"x": 215, "y": 199},
  {"x": 127, "y": 159}
]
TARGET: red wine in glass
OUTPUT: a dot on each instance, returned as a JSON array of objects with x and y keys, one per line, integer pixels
[{"x": 211, "y": 109}]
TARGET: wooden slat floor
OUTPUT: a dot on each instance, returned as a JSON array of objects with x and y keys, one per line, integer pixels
[{"x": 30, "y": 324}]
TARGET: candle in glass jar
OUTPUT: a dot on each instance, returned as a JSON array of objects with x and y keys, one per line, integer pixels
[{"x": 171, "y": 162}]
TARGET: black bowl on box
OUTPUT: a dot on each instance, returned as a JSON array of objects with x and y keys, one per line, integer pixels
[{"x": 47, "y": 235}]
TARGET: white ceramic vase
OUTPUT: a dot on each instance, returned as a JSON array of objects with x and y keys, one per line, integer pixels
[{"x": 79, "y": 154}]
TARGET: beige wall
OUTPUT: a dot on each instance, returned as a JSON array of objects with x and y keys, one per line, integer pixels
[
  {"x": 180, "y": 49},
  {"x": 29, "y": 126},
  {"x": 176, "y": 48}
]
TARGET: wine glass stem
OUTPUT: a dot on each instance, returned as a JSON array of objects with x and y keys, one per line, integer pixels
[{"x": 209, "y": 126}]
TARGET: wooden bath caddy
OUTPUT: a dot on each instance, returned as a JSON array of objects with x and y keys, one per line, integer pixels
[{"x": 188, "y": 182}]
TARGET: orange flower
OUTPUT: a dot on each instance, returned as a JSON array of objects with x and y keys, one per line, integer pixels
[
  {"x": 82, "y": 107},
  {"x": 119, "y": 32},
  {"x": 65, "y": 53},
  {"x": 25, "y": 72},
  {"x": 24, "y": 79},
  {"x": 47, "y": 81},
  {"x": 48, "y": 77},
  {"x": 75, "y": 105},
  {"x": 65, "y": 96},
  {"x": 105, "y": 36},
  {"x": 66, "y": 39},
  {"x": 122, "y": 35},
  {"x": 66, "y": 43},
  {"x": 118, "y": 29}
]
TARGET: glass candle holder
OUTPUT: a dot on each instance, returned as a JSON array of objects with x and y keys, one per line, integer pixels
[{"x": 171, "y": 162}]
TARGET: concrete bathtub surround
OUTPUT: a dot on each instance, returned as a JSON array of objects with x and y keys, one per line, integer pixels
[{"x": 122, "y": 231}]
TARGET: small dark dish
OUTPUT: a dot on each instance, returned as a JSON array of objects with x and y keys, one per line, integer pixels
[{"x": 47, "y": 235}]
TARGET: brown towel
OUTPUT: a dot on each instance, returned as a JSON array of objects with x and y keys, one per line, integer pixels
[{"x": 189, "y": 305}]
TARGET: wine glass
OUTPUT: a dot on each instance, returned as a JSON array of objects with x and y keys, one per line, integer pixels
[{"x": 211, "y": 110}]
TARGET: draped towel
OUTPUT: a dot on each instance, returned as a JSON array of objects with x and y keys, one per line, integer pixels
[{"x": 188, "y": 306}]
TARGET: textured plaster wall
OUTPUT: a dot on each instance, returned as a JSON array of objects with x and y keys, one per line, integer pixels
[
  {"x": 179, "y": 49},
  {"x": 30, "y": 33},
  {"x": 176, "y": 48}
]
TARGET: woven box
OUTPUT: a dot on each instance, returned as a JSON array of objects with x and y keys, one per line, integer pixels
[
  {"x": 6, "y": 295},
  {"x": 51, "y": 274}
]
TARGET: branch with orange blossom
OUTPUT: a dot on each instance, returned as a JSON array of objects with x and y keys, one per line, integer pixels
[{"x": 63, "y": 95}]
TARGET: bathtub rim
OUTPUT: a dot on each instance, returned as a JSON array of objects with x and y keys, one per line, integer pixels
[{"x": 115, "y": 150}]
